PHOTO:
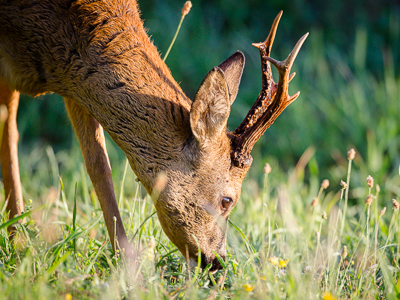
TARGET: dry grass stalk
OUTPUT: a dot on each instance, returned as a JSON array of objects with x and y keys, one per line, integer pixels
[{"x": 368, "y": 200}]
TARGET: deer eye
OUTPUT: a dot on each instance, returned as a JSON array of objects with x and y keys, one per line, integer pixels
[{"x": 226, "y": 202}]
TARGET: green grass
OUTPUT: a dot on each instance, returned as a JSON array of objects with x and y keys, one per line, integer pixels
[
  {"x": 279, "y": 246},
  {"x": 274, "y": 250}
]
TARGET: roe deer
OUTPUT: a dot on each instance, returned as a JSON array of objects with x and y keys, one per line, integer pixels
[{"x": 97, "y": 55}]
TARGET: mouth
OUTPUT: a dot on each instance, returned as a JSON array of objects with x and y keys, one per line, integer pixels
[{"x": 216, "y": 265}]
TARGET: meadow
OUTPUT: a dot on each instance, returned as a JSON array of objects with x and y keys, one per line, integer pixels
[{"x": 308, "y": 227}]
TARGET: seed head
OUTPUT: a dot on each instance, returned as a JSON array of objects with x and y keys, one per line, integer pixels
[
  {"x": 317, "y": 235},
  {"x": 368, "y": 200},
  {"x": 344, "y": 253},
  {"x": 92, "y": 233},
  {"x": 324, "y": 216},
  {"x": 186, "y": 8},
  {"x": 314, "y": 202},
  {"x": 152, "y": 244},
  {"x": 343, "y": 184},
  {"x": 325, "y": 184},
  {"x": 382, "y": 211},
  {"x": 370, "y": 181},
  {"x": 351, "y": 154},
  {"x": 267, "y": 168},
  {"x": 395, "y": 204}
]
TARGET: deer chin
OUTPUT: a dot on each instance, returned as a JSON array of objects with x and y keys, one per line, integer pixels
[
  {"x": 190, "y": 252},
  {"x": 190, "y": 226}
]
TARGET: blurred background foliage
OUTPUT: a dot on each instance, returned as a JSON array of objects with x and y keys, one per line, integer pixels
[{"x": 347, "y": 72}]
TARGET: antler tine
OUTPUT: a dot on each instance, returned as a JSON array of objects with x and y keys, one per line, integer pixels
[
  {"x": 292, "y": 76},
  {"x": 271, "y": 36},
  {"x": 272, "y": 100},
  {"x": 284, "y": 67},
  {"x": 287, "y": 64}
]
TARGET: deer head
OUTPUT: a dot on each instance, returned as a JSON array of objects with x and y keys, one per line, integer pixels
[{"x": 195, "y": 205}]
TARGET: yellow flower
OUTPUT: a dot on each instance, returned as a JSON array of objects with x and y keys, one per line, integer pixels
[
  {"x": 68, "y": 297},
  {"x": 283, "y": 263},
  {"x": 247, "y": 287},
  {"x": 263, "y": 278},
  {"x": 327, "y": 296},
  {"x": 274, "y": 260}
]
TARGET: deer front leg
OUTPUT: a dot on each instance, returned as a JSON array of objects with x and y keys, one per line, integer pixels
[
  {"x": 9, "y": 153},
  {"x": 91, "y": 138}
]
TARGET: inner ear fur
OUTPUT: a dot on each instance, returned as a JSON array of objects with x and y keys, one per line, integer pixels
[{"x": 210, "y": 108}]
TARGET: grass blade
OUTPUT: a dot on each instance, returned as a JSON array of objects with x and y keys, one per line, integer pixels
[
  {"x": 121, "y": 189},
  {"x": 95, "y": 258},
  {"x": 16, "y": 219},
  {"x": 140, "y": 226},
  {"x": 74, "y": 217},
  {"x": 249, "y": 246}
]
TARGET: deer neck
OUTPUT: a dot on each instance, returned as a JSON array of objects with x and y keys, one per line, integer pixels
[{"x": 122, "y": 82}]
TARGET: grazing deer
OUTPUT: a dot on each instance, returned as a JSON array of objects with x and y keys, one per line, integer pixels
[{"x": 97, "y": 55}]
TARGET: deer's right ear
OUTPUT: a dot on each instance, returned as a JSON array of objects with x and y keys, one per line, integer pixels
[
  {"x": 210, "y": 108},
  {"x": 233, "y": 70}
]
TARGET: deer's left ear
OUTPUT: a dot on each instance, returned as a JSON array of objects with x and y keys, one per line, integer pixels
[
  {"x": 233, "y": 70},
  {"x": 210, "y": 108}
]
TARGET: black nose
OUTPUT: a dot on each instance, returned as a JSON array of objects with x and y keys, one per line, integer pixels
[{"x": 216, "y": 265}]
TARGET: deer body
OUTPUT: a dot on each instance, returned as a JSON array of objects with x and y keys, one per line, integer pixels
[
  {"x": 73, "y": 55},
  {"x": 98, "y": 56}
]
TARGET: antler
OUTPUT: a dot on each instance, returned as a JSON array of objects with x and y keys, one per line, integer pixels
[{"x": 272, "y": 100}]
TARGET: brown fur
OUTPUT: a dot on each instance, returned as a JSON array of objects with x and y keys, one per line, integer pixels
[{"x": 98, "y": 56}]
